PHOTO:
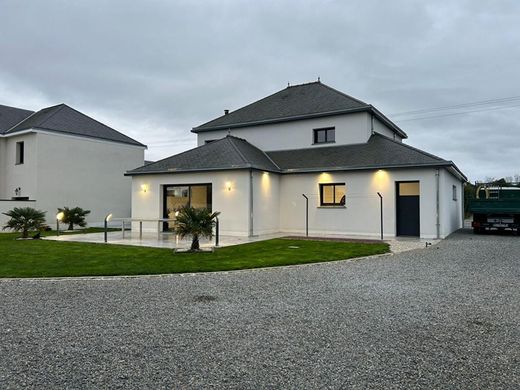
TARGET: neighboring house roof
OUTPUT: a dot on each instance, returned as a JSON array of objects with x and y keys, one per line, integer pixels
[
  {"x": 294, "y": 103},
  {"x": 64, "y": 119},
  {"x": 11, "y": 116},
  {"x": 235, "y": 153},
  {"x": 226, "y": 153}
]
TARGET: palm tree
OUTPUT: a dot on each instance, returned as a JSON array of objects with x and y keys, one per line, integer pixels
[
  {"x": 74, "y": 216},
  {"x": 25, "y": 219},
  {"x": 196, "y": 223}
]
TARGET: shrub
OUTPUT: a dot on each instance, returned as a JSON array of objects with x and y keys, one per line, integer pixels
[
  {"x": 25, "y": 219},
  {"x": 195, "y": 223},
  {"x": 74, "y": 216}
]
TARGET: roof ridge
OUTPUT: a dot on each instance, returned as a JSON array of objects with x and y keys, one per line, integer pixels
[
  {"x": 409, "y": 147},
  {"x": 19, "y": 123},
  {"x": 237, "y": 150},
  {"x": 302, "y": 84},
  {"x": 103, "y": 124},
  {"x": 61, "y": 105},
  {"x": 257, "y": 148}
]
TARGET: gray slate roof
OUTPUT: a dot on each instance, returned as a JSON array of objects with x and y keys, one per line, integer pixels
[
  {"x": 64, "y": 119},
  {"x": 226, "y": 153},
  {"x": 298, "y": 101},
  {"x": 378, "y": 152},
  {"x": 10, "y": 116},
  {"x": 235, "y": 153}
]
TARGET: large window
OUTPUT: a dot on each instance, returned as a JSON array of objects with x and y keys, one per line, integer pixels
[
  {"x": 20, "y": 152},
  {"x": 325, "y": 135},
  {"x": 178, "y": 196},
  {"x": 332, "y": 194}
]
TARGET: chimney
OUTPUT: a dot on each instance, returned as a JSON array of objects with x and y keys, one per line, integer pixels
[{"x": 226, "y": 112}]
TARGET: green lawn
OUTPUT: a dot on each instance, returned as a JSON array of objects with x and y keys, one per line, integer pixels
[{"x": 40, "y": 258}]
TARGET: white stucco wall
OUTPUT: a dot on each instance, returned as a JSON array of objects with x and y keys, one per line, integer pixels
[
  {"x": 89, "y": 173},
  {"x": 232, "y": 204},
  {"x": 266, "y": 210},
  {"x": 450, "y": 210},
  {"x": 280, "y": 207},
  {"x": 350, "y": 129},
  {"x": 381, "y": 128},
  {"x": 21, "y": 175},
  {"x": 361, "y": 216}
]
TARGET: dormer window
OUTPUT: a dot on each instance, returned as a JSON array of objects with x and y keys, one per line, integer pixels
[{"x": 325, "y": 135}]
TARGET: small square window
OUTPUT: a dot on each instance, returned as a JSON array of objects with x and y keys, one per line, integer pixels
[
  {"x": 454, "y": 189},
  {"x": 325, "y": 135},
  {"x": 332, "y": 194},
  {"x": 20, "y": 152}
]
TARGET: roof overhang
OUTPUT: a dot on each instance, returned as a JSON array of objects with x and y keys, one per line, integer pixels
[{"x": 449, "y": 165}]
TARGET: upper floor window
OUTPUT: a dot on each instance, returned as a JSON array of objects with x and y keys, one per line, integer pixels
[
  {"x": 332, "y": 194},
  {"x": 20, "y": 152},
  {"x": 325, "y": 135}
]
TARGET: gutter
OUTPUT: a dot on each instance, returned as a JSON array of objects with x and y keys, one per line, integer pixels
[{"x": 292, "y": 170}]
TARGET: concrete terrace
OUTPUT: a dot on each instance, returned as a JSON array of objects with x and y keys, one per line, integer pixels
[{"x": 172, "y": 241}]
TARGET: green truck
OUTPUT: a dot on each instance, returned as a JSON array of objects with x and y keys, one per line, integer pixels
[{"x": 495, "y": 208}]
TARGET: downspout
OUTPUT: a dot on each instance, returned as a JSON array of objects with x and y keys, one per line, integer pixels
[
  {"x": 251, "y": 199},
  {"x": 437, "y": 203}
]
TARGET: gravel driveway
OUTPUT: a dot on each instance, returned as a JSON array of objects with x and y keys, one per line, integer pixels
[{"x": 443, "y": 317}]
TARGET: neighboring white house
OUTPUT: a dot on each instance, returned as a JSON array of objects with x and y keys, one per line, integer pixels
[
  {"x": 60, "y": 157},
  {"x": 259, "y": 164}
]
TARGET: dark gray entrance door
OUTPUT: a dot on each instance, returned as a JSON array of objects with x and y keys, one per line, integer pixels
[{"x": 407, "y": 208}]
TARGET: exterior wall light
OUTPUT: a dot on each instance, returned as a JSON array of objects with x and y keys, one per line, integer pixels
[
  {"x": 228, "y": 186},
  {"x": 107, "y": 218},
  {"x": 59, "y": 217},
  {"x": 144, "y": 187}
]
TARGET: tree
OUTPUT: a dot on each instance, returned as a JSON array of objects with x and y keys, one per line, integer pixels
[
  {"x": 195, "y": 223},
  {"x": 74, "y": 216},
  {"x": 25, "y": 219}
]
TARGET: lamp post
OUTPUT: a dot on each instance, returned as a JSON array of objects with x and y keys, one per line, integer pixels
[
  {"x": 107, "y": 218},
  {"x": 381, "y": 211},
  {"x": 59, "y": 217}
]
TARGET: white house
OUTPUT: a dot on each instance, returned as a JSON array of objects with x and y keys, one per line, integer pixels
[
  {"x": 261, "y": 164},
  {"x": 60, "y": 157}
]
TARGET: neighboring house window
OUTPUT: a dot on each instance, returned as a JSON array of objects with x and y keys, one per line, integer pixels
[
  {"x": 325, "y": 135},
  {"x": 20, "y": 152},
  {"x": 332, "y": 194},
  {"x": 454, "y": 189}
]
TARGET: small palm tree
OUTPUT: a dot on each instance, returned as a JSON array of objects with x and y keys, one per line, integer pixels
[
  {"x": 74, "y": 216},
  {"x": 25, "y": 219},
  {"x": 195, "y": 223}
]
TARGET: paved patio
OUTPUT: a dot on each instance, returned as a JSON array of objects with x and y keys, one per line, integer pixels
[{"x": 170, "y": 240}]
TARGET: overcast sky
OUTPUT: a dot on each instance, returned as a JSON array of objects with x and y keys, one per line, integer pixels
[{"x": 155, "y": 69}]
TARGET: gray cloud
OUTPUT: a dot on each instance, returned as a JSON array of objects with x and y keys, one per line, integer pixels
[{"x": 155, "y": 69}]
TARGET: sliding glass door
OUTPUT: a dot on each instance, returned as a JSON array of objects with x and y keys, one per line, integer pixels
[{"x": 178, "y": 196}]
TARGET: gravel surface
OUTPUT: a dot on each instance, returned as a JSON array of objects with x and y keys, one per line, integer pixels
[{"x": 444, "y": 317}]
